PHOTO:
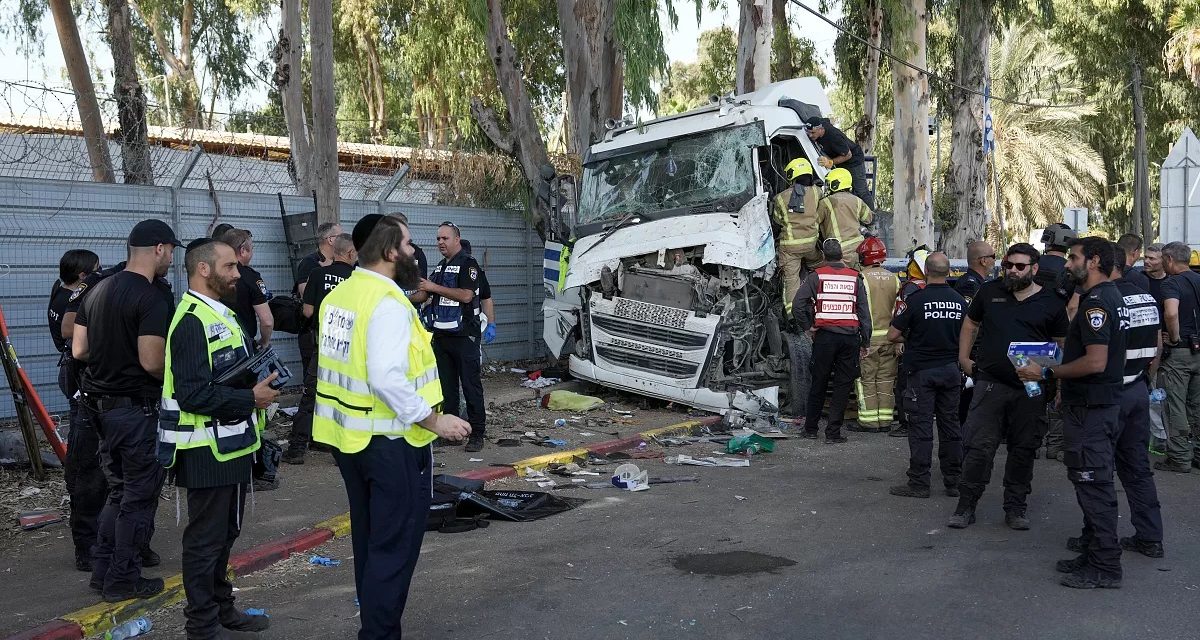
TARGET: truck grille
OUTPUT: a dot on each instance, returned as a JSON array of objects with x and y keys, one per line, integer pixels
[
  {"x": 652, "y": 313},
  {"x": 648, "y": 362},
  {"x": 654, "y": 334}
]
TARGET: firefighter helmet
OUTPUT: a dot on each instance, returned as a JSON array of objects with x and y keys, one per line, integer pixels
[
  {"x": 798, "y": 167},
  {"x": 839, "y": 180},
  {"x": 872, "y": 251},
  {"x": 916, "y": 262}
]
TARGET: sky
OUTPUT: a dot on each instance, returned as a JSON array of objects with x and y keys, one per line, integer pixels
[{"x": 48, "y": 67}]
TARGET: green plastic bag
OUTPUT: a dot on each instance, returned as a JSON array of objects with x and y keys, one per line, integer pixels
[
  {"x": 752, "y": 443},
  {"x": 563, "y": 400}
]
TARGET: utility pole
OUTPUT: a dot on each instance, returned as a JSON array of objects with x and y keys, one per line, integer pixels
[
  {"x": 1143, "y": 222},
  {"x": 325, "y": 153},
  {"x": 90, "y": 119}
]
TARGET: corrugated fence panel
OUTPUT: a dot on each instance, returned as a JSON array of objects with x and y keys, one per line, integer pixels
[{"x": 41, "y": 219}]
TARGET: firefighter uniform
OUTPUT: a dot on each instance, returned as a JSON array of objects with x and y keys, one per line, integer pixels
[
  {"x": 833, "y": 302},
  {"x": 795, "y": 211},
  {"x": 876, "y": 402},
  {"x": 842, "y": 215}
]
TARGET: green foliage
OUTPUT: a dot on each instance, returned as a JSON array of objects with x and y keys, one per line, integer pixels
[{"x": 1182, "y": 51}]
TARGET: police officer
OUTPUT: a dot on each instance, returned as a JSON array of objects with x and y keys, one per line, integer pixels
[
  {"x": 1010, "y": 309},
  {"x": 795, "y": 213},
  {"x": 1052, "y": 274},
  {"x": 981, "y": 260},
  {"x": 204, "y": 341},
  {"x": 929, "y": 327},
  {"x": 831, "y": 305},
  {"x": 306, "y": 340},
  {"x": 486, "y": 309},
  {"x": 1140, "y": 321},
  {"x": 251, "y": 297},
  {"x": 914, "y": 281},
  {"x": 450, "y": 315},
  {"x": 81, "y": 470},
  {"x": 875, "y": 388},
  {"x": 120, "y": 332},
  {"x": 842, "y": 215},
  {"x": 377, "y": 393},
  {"x": 321, "y": 281},
  {"x": 1091, "y": 374},
  {"x": 1181, "y": 358}
]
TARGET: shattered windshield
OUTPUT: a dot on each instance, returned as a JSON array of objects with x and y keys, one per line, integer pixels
[{"x": 709, "y": 168}]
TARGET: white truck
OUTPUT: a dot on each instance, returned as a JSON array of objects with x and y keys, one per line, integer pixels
[{"x": 670, "y": 288}]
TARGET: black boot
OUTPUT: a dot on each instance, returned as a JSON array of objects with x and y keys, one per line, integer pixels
[{"x": 1144, "y": 547}]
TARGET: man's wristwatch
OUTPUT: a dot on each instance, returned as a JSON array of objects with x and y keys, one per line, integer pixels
[{"x": 1047, "y": 373}]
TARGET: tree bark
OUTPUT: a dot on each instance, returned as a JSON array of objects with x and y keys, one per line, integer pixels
[
  {"x": 131, "y": 100},
  {"x": 180, "y": 66},
  {"x": 523, "y": 138},
  {"x": 324, "y": 108},
  {"x": 913, "y": 221},
  {"x": 785, "y": 67},
  {"x": 1141, "y": 170},
  {"x": 90, "y": 119},
  {"x": 966, "y": 176},
  {"x": 289, "y": 81},
  {"x": 755, "y": 29},
  {"x": 866, "y": 134},
  {"x": 590, "y": 57}
]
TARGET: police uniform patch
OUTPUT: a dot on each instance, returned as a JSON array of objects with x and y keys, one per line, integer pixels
[
  {"x": 1096, "y": 318},
  {"x": 474, "y": 273},
  {"x": 78, "y": 292},
  {"x": 901, "y": 307},
  {"x": 262, "y": 286}
]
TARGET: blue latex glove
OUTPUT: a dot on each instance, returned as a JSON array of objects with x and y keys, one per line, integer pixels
[{"x": 489, "y": 334}]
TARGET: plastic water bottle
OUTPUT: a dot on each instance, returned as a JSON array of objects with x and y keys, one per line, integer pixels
[
  {"x": 1032, "y": 389},
  {"x": 129, "y": 629}
]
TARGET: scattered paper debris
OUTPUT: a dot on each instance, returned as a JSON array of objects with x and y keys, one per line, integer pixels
[
  {"x": 707, "y": 461},
  {"x": 475, "y": 460},
  {"x": 540, "y": 383},
  {"x": 740, "y": 497}
]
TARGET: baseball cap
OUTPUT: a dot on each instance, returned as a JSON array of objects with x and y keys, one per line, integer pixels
[
  {"x": 363, "y": 229},
  {"x": 815, "y": 122},
  {"x": 149, "y": 233}
]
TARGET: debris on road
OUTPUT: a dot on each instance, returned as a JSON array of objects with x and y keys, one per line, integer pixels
[
  {"x": 323, "y": 561},
  {"x": 39, "y": 518},
  {"x": 708, "y": 461},
  {"x": 563, "y": 400},
  {"x": 750, "y": 444},
  {"x": 631, "y": 478}
]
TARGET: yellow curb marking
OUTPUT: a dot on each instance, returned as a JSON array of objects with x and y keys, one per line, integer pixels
[
  {"x": 339, "y": 525},
  {"x": 99, "y": 618}
]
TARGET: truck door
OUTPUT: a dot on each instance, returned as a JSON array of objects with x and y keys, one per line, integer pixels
[{"x": 560, "y": 309}]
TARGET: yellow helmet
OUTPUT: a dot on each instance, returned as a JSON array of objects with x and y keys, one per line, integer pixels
[
  {"x": 798, "y": 167},
  {"x": 916, "y": 262},
  {"x": 1194, "y": 260},
  {"x": 839, "y": 180}
]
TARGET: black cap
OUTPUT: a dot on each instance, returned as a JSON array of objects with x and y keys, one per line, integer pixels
[
  {"x": 197, "y": 243},
  {"x": 363, "y": 229},
  {"x": 466, "y": 246},
  {"x": 815, "y": 122},
  {"x": 220, "y": 230},
  {"x": 149, "y": 233}
]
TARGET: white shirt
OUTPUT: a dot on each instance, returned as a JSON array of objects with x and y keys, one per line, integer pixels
[
  {"x": 217, "y": 305},
  {"x": 388, "y": 335}
]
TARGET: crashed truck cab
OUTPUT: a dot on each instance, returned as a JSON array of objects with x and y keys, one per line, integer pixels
[{"x": 668, "y": 286}]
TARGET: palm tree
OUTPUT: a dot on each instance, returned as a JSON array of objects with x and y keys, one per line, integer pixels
[
  {"x": 1183, "y": 49},
  {"x": 1043, "y": 157}
]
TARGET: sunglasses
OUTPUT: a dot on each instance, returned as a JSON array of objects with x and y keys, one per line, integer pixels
[
  {"x": 1019, "y": 266},
  {"x": 448, "y": 224}
]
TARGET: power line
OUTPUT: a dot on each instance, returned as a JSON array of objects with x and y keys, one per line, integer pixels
[{"x": 934, "y": 76}]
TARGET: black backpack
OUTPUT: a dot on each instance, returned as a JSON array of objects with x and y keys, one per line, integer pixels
[{"x": 443, "y": 509}]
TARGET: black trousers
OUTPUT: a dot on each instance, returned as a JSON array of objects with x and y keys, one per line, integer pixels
[
  {"x": 129, "y": 456},
  {"x": 214, "y": 522},
  {"x": 934, "y": 393},
  {"x": 834, "y": 364},
  {"x": 81, "y": 471},
  {"x": 301, "y": 433},
  {"x": 964, "y": 404},
  {"x": 1053, "y": 420},
  {"x": 389, "y": 485},
  {"x": 458, "y": 363},
  {"x": 1000, "y": 411},
  {"x": 1090, "y": 435},
  {"x": 859, "y": 187},
  {"x": 1133, "y": 464}
]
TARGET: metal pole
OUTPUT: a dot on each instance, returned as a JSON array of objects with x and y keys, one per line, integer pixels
[
  {"x": 388, "y": 187},
  {"x": 533, "y": 306}
]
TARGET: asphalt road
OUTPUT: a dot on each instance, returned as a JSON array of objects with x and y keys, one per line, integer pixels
[{"x": 843, "y": 560}]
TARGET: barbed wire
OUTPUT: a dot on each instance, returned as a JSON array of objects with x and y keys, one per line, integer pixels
[{"x": 41, "y": 136}]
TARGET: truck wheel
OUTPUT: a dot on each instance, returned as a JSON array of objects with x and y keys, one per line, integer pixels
[{"x": 800, "y": 353}]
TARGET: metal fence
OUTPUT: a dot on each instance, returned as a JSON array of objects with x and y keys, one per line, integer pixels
[{"x": 40, "y": 219}]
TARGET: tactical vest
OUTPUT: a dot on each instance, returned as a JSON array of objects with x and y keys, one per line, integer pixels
[
  {"x": 348, "y": 413},
  {"x": 796, "y": 215},
  {"x": 1140, "y": 321},
  {"x": 843, "y": 215},
  {"x": 883, "y": 287},
  {"x": 178, "y": 429},
  {"x": 445, "y": 315},
  {"x": 837, "y": 297}
]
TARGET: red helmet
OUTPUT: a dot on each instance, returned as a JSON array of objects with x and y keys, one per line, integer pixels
[{"x": 872, "y": 251}]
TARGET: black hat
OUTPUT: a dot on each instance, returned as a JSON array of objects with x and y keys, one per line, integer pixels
[
  {"x": 815, "y": 122},
  {"x": 220, "y": 230},
  {"x": 466, "y": 246},
  {"x": 363, "y": 229},
  {"x": 149, "y": 233},
  {"x": 197, "y": 243}
]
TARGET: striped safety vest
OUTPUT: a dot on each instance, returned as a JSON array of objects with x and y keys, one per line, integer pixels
[
  {"x": 883, "y": 287},
  {"x": 837, "y": 297},
  {"x": 348, "y": 413},
  {"x": 178, "y": 429},
  {"x": 796, "y": 215},
  {"x": 1139, "y": 318},
  {"x": 843, "y": 215}
]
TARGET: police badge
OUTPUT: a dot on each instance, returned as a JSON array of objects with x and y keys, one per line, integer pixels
[{"x": 1096, "y": 318}]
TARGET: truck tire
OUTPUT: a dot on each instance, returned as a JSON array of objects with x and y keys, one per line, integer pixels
[{"x": 799, "y": 352}]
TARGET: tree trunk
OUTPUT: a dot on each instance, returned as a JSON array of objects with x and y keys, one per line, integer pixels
[
  {"x": 90, "y": 119},
  {"x": 616, "y": 85},
  {"x": 1141, "y": 171},
  {"x": 589, "y": 55},
  {"x": 913, "y": 220},
  {"x": 866, "y": 133},
  {"x": 131, "y": 100},
  {"x": 524, "y": 140},
  {"x": 324, "y": 108},
  {"x": 289, "y": 81},
  {"x": 966, "y": 177},
  {"x": 754, "y": 45},
  {"x": 785, "y": 67}
]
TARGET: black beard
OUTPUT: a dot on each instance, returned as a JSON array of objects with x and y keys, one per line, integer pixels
[
  {"x": 1017, "y": 283},
  {"x": 1077, "y": 278},
  {"x": 407, "y": 274}
]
